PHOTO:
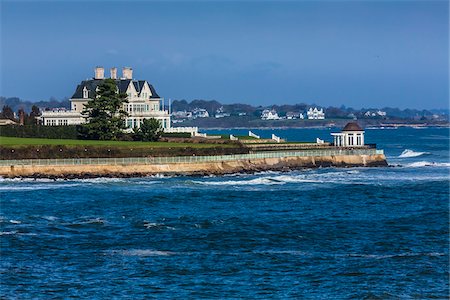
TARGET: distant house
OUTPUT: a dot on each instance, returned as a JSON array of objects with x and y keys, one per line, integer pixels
[
  {"x": 377, "y": 113},
  {"x": 182, "y": 114},
  {"x": 294, "y": 115},
  {"x": 269, "y": 115},
  {"x": 7, "y": 122},
  {"x": 221, "y": 114},
  {"x": 200, "y": 113},
  {"x": 315, "y": 114}
]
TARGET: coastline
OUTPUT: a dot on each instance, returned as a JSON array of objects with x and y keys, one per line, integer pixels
[{"x": 194, "y": 168}]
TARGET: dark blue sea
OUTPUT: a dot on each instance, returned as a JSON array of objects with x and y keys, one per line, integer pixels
[{"x": 329, "y": 233}]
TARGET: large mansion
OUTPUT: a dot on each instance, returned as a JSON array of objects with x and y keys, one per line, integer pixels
[{"x": 143, "y": 101}]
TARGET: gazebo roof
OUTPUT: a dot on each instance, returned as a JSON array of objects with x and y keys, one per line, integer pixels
[{"x": 352, "y": 126}]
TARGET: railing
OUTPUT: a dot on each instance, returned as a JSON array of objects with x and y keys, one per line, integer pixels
[{"x": 186, "y": 159}]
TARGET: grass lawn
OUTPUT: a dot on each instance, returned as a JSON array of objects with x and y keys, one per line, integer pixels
[{"x": 14, "y": 141}]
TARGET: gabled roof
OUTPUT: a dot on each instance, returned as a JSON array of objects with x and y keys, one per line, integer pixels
[
  {"x": 122, "y": 85},
  {"x": 352, "y": 126}
]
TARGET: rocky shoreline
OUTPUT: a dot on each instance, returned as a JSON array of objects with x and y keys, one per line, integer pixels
[{"x": 285, "y": 164}]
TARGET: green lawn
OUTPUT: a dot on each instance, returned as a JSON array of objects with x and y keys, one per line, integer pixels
[{"x": 14, "y": 141}]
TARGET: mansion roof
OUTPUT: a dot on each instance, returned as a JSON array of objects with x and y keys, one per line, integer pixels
[{"x": 122, "y": 85}]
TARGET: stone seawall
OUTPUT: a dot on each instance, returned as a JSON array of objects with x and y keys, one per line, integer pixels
[{"x": 193, "y": 168}]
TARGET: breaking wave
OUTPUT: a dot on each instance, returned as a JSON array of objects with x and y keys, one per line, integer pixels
[
  {"x": 407, "y": 153},
  {"x": 142, "y": 252},
  {"x": 273, "y": 180},
  {"x": 419, "y": 164}
]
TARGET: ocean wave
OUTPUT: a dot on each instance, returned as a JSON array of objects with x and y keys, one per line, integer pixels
[
  {"x": 407, "y": 153},
  {"x": 142, "y": 252},
  {"x": 38, "y": 186},
  {"x": 397, "y": 255},
  {"x": 419, "y": 164},
  {"x": 266, "y": 180},
  {"x": 86, "y": 221},
  {"x": 8, "y": 232},
  {"x": 151, "y": 225}
]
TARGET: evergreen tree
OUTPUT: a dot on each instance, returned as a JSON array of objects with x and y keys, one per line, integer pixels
[
  {"x": 104, "y": 113},
  {"x": 150, "y": 130},
  {"x": 7, "y": 113},
  {"x": 35, "y": 112}
]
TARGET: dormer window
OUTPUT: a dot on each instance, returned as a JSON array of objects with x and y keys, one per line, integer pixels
[{"x": 85, "y": 93}]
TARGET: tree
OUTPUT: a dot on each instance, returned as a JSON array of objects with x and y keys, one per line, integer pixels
[
  {"x": 7, "y": 113},
  {"x": 150, "y": 130},
  {"x": 104, "y": 113},
  {"x": 31, "y": 119}
]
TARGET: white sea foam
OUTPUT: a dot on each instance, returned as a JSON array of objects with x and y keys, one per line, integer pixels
[
  {"x": 15, "y": 222},
  {"x": 94, "y": 221},
  {"x": 8, "y": 232},
  {"x": 405, "y": 254},
  {"x": 100, "y": 180},
  {"x": 151, "y": 225},
  {"x": 407, "y": 153},
  {"x": 33, "y": 187},
  {"x": 142, "y": 252},
  {"x": 419, "y": 164},
  {"x": 266, "y": 180},
  {"x": 49, "y": 218}
]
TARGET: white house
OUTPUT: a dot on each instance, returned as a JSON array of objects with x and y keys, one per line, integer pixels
[
  {"x": 352, "y": 135},
  {"x": 315, "y": 114},
  {"x": 143, "y": 101},
  {"x": 200, "y": 113},
  {"x": 378, "y": 113},
  {"x": 269, "y": 115}
]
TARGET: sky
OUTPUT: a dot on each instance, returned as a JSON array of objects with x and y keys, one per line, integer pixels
[{"x": 331, "y": 53}]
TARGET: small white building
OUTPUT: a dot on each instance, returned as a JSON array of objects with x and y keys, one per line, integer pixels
[
  {"x": 315, "y": 114},
  {"x": 352, "y": 135},
  {"x": 200, "y": 113},
  {"x": 269, "y": 115},
  {"x": 294, "y": 115},
  {"x": 221, "y": 114}
]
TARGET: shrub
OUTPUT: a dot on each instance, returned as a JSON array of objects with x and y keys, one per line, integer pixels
[{"x": 36, "y": 131}]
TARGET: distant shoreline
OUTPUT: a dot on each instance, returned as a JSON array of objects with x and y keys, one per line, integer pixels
[{"x": 328, "y": 127}]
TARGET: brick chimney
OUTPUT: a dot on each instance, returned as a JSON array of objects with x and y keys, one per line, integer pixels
[
  {"x": 127, "y": 73},
  {"x": 99, "y": 73},
  {"x": 114, "y": 73},
  {"x": 21, "y": 116}
]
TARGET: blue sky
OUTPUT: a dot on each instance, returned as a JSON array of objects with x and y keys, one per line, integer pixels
[{"x": 356, "y": 53}]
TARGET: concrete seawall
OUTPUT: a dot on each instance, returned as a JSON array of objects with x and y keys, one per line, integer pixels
[{"x": 191, "y": 168}]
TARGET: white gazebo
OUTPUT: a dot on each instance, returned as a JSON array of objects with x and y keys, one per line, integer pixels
[{"x": 352, "y": 135}]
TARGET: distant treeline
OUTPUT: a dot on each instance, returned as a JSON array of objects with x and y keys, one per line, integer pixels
[
  {"x": 331, "y": 112},
  {"x": 212, "y": 105},
  {"x": 16, "y": 103}
]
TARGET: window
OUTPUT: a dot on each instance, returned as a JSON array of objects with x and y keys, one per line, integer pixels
[
  {"x": 85, "y": 93},
  {"x": 350, "y": 139},
  {"x": 130, "y": 123}
]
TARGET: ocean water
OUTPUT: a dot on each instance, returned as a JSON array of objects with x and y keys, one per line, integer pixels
[{"x": 329, "y": 233}]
